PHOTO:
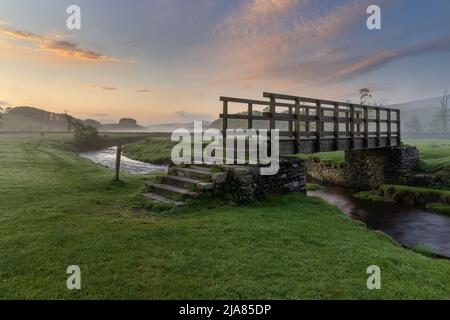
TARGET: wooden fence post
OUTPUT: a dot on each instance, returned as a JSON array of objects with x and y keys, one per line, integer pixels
[
  {"x": 389, "y": 128},
  {"x": 352, "y": 127},
  {"x": 250, "y": 116},
  {"x": 318, "y": 125},
  {"x": 272, "y": 110},
  {"x": 297, "y": 126},
  {"x": 366, "y": 127},
  {"x": 306, "y": 122},
  {"x": 118, "y": 156},
  {"x": 378, "y": 124},
  {"x": 336, "y": 126},
  {"x": 224, "y": 129},
  {"x": 399, "y": 129}
]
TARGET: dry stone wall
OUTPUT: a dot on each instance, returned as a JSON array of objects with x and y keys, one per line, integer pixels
[
  {"x": 369, "y": 168},
  {"x": 247, "y": 184}
]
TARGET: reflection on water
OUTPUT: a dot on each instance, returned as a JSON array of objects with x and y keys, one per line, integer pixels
[
  {"x": 409, "y": 226},
  {"x": 107, "y": 158}
]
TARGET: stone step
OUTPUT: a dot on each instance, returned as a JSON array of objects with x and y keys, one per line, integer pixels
[
  {"x": 172, "y": 192},
  {"x": 202, "y": 175},
  {"x": 181, "y": 182},
  {"x": 164, "y": 200},
  {"x": 203, "y": 167}
]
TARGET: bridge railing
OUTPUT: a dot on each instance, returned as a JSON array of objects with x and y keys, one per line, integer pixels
[{"x": 315, "y": 125}]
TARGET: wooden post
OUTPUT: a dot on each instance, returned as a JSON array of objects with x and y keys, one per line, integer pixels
[
  {"x": 307, "y": 122},
  {"x": 118, "y": 156},
  {"x": 318, "y": 125},
  {"x": 352, "y": 127},
  {"x": 378, "y": 124},
  {"x": 225, "y": 118},
  {"x": 347, "y": 123},
  {"x": 224, "y": 129},
  {"x": 297, "y": 126},
  {"x": 358, "y": 123},
  {"x": 272, "y": 110},
  {"x": 250, "y": 116},
  {"x": 389, "y": 128},
  {"x": 290, "y": 129},
  {"x": 399, "y": 131},
  {"x": 366, "y": 127},
  {"x": 336, "y": 126}
]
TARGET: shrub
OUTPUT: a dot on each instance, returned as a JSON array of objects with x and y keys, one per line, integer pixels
[{"x": 86, "y": 137}]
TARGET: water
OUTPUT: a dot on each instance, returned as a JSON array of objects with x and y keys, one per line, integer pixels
[
  {"x": 410, "y": 226},
  {"x": 107, "y": 158}
]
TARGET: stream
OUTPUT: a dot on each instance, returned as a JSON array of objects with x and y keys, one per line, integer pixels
[
  {"x": 410, "y": 226},
  {"x": 107, "y": 158}
]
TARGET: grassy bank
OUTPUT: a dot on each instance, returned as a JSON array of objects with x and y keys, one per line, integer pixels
[
  {"x": 432, "y": 199},
  {"x": 58, "y": 210},
  {"x": 156, "y": 150},
  {"x": 434, "y": 156}
]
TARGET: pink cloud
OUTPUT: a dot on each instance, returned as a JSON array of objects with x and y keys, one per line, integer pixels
[
  {"x": 280, "y": 41},
  {"x": 52, "y": 45}
]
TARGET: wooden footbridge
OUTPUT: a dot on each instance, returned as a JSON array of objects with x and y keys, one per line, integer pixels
[{"x": 310, "y": 125}]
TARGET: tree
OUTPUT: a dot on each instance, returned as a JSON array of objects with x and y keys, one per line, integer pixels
[
  {"x": 128, "y": 122},
  {"x": 86, "y": 137},
  {"x": 93, "y": 123},
  {"x": 414, "y": 124},
  {"x": 364, "y": 95},
  {"x": 442, "y": 117}
]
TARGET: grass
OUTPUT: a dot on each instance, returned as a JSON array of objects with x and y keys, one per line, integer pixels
[
  {"x": 58, "y": 210},
  {"x": 439, "y": 207},
  {"x": 373, "y": 196},
  {"x": 155, "y": 150},
  {"x": 434, "y": 156},
  {"x": 334, "y": 158},
  {"x": 313, "y": 187},
  {"x": 415, "y": 195}
]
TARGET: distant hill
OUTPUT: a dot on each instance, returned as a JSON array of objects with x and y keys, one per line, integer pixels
[
  {"x": 169, "y": 127},
  {"x": 425, "y": 109},
  {"x": 20, "y": 119},
  {"x": 31, "y": 119}
]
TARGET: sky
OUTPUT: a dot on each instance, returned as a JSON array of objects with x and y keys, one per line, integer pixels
[{"x": 165, "y": 61}]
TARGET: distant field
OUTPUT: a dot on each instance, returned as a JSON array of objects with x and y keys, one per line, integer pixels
[{"x": 58, "y": 209}]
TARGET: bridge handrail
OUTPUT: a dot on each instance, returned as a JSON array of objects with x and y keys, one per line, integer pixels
[{"x": 355, "y": 115}]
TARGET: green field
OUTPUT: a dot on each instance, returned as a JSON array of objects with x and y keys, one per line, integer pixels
[
  {"x": 154, "y": 150},
  {"x": 434, "y": 156},
  {"x": 57, "y": 209}
]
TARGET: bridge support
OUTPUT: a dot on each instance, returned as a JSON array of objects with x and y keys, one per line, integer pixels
[{"x": 369, "y": 168}]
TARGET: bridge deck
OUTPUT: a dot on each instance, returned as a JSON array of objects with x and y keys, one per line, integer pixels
[{"x": 310, "y": 125}]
